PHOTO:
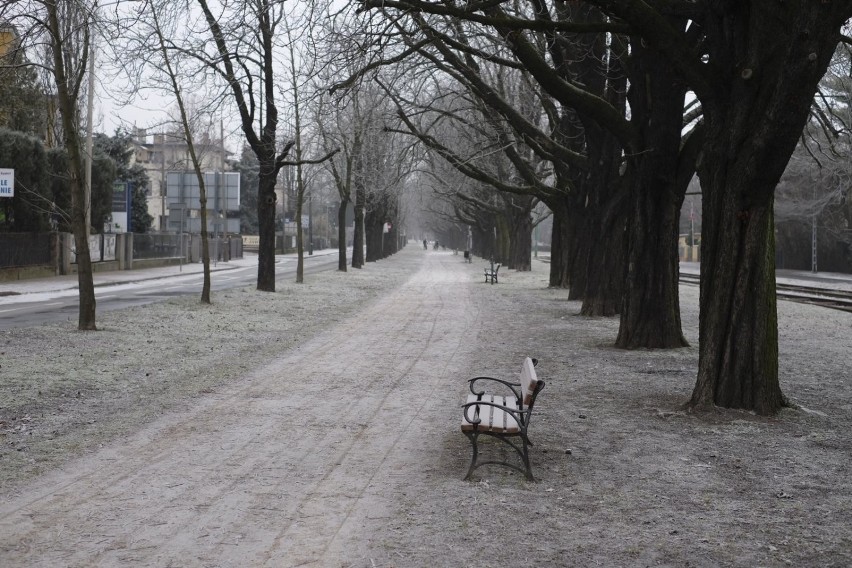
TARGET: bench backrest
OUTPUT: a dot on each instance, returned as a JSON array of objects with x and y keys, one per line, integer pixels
[{"x": 529, "y": 381}]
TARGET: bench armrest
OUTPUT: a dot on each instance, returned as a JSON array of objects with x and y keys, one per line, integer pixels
[{"x": 509, "y": 385}]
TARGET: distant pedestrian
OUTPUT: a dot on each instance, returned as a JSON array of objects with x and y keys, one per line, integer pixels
[{"x": 425, "y": 245}]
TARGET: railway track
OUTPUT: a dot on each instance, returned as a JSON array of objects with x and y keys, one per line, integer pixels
[{"x": 834, "y": 299}]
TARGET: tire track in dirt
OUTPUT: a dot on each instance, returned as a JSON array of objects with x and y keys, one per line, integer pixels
[
  {"x": 377, "y": 440},
  {"x": 275, "y": 470}
]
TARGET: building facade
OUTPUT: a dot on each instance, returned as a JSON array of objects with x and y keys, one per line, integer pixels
[{"x": 167, "y": 151}]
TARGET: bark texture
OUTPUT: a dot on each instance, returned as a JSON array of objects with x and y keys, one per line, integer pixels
[
  {"x": 753, "y": 116},
  {"x": 650, "y": 314},
  {"x": 341, "y": 236}
]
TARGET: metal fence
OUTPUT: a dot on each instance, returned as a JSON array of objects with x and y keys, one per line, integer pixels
[
  {"x": 152, "y": 245},
  {"x": 25, "y": 249}
]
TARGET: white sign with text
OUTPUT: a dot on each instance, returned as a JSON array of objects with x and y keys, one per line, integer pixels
[{"x": 7, "y": 182}]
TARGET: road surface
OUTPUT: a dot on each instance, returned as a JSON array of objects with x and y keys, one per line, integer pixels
[{"x": 61, "y": 305}]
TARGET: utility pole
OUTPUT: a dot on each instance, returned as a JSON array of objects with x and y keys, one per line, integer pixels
[
  {"x": 814, "y": 227},
  {"x": 226, "y": 256},
  {"x": 163, "y": 226}
]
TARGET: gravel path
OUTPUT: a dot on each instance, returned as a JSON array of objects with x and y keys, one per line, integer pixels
[{"x": 344, "y": 449}]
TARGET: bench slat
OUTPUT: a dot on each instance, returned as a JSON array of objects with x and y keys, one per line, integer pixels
[
  {"x": 511, "y": 424},
  {"x": 493, "y": 419},
  {"x": 498, "y": 418}
]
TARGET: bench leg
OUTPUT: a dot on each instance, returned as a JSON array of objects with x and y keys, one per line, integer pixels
[
  {"x": 522, "y": 451},
  {"x": 525, "y": 456},
  {"x": 472, "y": 436}
]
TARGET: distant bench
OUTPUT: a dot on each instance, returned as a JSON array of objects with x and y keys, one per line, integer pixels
[
  {"x": 503, "y": 417},
  {"x": 491, "y": 274}
]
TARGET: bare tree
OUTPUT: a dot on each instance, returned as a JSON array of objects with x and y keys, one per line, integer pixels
[
  {"x": 158, "y": 12},
  {"x": 148, "y": 45},
  {"x": 755, "y": 77},
  {"x": 813, "y": 206},
  {"x": 63, "y": 30},
  {"x": 340, "y": 127},
  {"x": 243, "y": 50}
]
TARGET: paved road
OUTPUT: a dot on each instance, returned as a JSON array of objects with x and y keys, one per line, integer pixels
[{"x": 52, "y": 300}]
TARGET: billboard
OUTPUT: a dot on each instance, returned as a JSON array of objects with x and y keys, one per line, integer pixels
[
  {"x": 222, "y": 188},
  {"x": 183, "y": 200}
]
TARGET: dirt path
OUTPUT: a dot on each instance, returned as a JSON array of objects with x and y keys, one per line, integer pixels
[{"x": 280, "y": 469}]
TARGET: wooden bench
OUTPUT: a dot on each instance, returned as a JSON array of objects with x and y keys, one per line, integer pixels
[
  {"x": 505, "y": 418},
  {"x": 491, "y": 274}
]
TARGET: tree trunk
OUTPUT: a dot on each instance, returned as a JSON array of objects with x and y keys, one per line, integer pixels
[
  {"x": 501, "y": 239},
  {"x": 300, "y": 238},
  {"x": 605, "y": 266},
  {"x": 568, "y": 251},
  {"x": 391, "y": 238},
  {"x": 738, "y": 327},
  {"x": 85, "y": 281},
  {"x": 266, "y": 224},
  {"x": 738, "y": 324},
  {"x": 606, "y": 223},
  {"x": 205, "y": 238},
  {"x": 373, "y": 225},
  {"x": 579, "y": 249},
  {"x": 520, "y": 233},
  {"x": 650, "y": 314},
  {"x": 341, "y": 236},
  {"x": 650, "y": 311},
  {"x": 753, "y": 121},
  {"x": 358, "y": 240},
  {"x": 560, "y": 247},
  {"x": 67, "y": 109},
  {"x": 263, "y": 144}
]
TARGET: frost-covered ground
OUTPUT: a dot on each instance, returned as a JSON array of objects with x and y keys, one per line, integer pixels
[
  {"x": 63, "y": 392},
  {"x": 319, "y": 427}
]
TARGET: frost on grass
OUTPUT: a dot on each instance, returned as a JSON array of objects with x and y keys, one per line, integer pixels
[{"x": 64, "y": 391}]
